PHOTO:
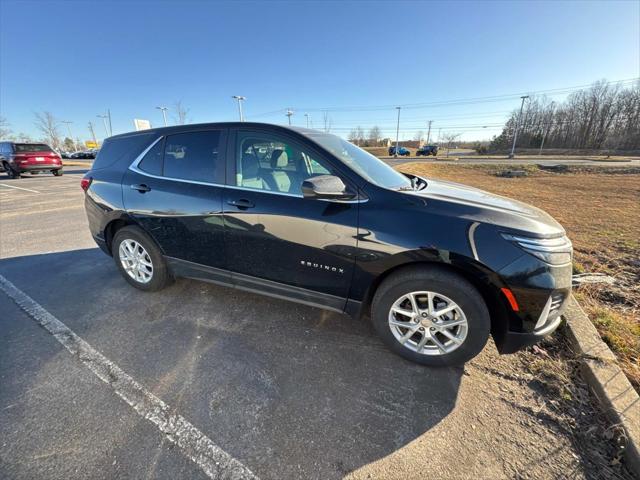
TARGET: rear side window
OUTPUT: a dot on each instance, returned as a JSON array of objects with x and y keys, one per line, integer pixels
[
  {"x": 121, "y": 148},
  {"x": 194, "y": 156},
  {"x": 152, "y": 161}
]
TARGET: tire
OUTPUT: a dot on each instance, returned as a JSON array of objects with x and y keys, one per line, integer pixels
[
  {"x": 57, "y": 173},
  {"x": 159, "y": 277},
  {"x": 472, "y": 335},
  {"x": 11, "y": 173}
]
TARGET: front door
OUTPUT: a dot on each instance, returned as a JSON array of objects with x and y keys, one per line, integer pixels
[
  {"x": 274, "y": 234},
  {"x": 175, "y": 193}
]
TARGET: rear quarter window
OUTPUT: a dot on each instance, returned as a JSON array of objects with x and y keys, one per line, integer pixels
[{"x": 121, "y": 149}]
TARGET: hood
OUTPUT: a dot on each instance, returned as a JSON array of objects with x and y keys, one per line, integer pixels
[{"x": 485, "y": 207}]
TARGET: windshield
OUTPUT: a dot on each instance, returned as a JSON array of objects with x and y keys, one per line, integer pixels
[
  {"x": 366, "y": 165},
  {"x": 32, "y": 147}
]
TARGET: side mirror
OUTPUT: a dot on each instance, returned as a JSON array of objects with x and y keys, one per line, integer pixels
[{"x": 327, "y": 187}]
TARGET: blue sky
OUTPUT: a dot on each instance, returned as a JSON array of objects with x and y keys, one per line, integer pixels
[{"x": 75, "y": 59}]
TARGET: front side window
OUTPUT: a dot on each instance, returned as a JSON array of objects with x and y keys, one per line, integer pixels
[
  {"x": 193, "y": 156},
  {"x": 366, "y": 165},
  {"x": 271, "y": 163}
]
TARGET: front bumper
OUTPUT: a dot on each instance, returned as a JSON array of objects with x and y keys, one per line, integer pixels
[{"x": 542, "y": 292}]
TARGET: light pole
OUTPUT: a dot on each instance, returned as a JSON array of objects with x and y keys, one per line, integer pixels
[
  {"x": 429, "y": 131},
  {"x": 67, "y": 123},
  {"x": 104, "y": 121},
  {"x": 395, "y": 154},
  {"x": 515, "y": 134},
  {"x": 93, "y": 133},
  {"x": 306, "y": 115},
  {"x": 109, "y": 115},
  {"x": 289, "y": 114},
  {"x": 240, "y": 99},
  {"x": 164, "y": 113}
]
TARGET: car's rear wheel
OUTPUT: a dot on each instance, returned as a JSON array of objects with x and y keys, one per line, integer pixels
[
  {"x": 57, "y": 173},
  {"x": 431, "y": 316},
  {"x": 11, "y": 173},
  {"x": 139, "y": 259}
]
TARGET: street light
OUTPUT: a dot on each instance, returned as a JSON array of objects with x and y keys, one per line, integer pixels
[
  {"x": 240, "y": 99},
  {"x": 306, "y": 115},
  {"x": 164, "y": 114},
  {"x": 67, "y": 123},
  {"x": 289, "y": 114},
  {"x": 104, "y": 121},
  {"x": 515, "y": 135},
  {"x": 397, "y": 133}
]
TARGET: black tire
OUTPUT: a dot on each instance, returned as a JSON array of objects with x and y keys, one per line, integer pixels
[
  {"x": 443, "y": 282},
  {"x": 11, "y": 173},
  {"x": 57, "y": 173},
  {"x": 160, "y": 277}
]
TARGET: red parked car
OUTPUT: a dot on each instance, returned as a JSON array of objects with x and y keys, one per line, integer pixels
[{"x": 17, "y": 158}]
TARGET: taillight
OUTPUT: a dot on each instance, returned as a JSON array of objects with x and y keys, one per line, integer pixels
[{"x": 85, "y": 183}]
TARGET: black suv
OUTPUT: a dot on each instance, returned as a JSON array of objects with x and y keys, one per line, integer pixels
[{"x": 307, "y": 216}]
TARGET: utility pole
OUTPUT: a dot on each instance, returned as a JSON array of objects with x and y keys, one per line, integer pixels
[
  {"x": 93, "y": 133},
  {"x": 240, "y": 99},
  {"x": 429, "y": 131},
  {"x": 288, "y": 114},
  {"x": 306, "y": 115},
  {"x": 67, "y": 123},
  {"x": 164, "y": 113},
  {"x": 515, "y": 134},
  {"x": 397, "y": 133},
  {"x": 104, "y": 122},
  {"x": 544, "y": 135},
  {"x": 110, "y": 129}
]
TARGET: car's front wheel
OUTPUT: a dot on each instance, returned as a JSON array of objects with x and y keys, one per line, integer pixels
[
  {"x": 139, "y": 260},
  {"x": 431, "y": 316},
  {"x": 57, "y": 173}
]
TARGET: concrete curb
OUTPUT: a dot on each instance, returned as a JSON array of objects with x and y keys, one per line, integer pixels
[{"x": 607, "y": 381}]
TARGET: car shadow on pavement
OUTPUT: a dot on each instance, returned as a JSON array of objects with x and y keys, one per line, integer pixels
[{"x": 291, "y": 391}]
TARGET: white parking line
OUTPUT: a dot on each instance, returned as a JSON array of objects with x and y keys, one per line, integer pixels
[
  {"x": 19, "y": 188},
  {"x": 214, "y": 461}
]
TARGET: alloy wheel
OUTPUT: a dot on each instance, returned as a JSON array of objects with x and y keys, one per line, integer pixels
[
  {"x": 136, "y": 261},
  {"x": 428, "y": 323}
]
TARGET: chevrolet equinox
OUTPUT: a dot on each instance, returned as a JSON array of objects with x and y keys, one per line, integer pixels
[{"x": 306, "y": 216}]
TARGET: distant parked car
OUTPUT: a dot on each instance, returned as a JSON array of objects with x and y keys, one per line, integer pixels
[
  {"x": 427, "y": 150},
  {"x": 87, "y": 155},
  {"x": 403, "y": 152},
  {"x": 18, "y": 158}
]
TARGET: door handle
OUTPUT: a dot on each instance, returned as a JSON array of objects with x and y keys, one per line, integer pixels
[
  {"x": 142, "y": 188},
  {"x": 242, "y": 203}
]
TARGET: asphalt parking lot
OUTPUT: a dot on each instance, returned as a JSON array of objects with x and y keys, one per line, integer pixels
[{"x": 286, "y": 391}]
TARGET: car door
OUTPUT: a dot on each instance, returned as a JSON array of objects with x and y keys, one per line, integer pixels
[
  {"x": 277, "y": 241},
  {"x": 174, "y": 191}
]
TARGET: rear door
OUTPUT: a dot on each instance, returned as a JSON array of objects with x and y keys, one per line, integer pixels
[
  {"x": 174, "y": 191},
  {"x": 273, "y": 234}
]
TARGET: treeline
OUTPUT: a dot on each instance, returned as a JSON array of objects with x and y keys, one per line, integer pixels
[{"x": 604, "y": 116}]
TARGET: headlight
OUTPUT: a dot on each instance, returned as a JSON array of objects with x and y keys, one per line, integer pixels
[{"x": 555, "y": 251}]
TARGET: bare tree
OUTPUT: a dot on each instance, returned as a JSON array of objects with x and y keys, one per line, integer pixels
[
  {"x": 602, "y": 116},
  {"x": 374, "y": 136},
  {"x": 449, "y": 138},
  {"x": 419, "y": 136},
  {"x": 49, "y": 126},
  {"x": 5, "y": 129},
  {"x": 181, "y": 113}
]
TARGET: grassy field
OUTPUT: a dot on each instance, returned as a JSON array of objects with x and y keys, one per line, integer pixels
[{"x": 600, "y": 209}]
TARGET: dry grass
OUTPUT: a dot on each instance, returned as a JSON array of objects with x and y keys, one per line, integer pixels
[{"x": 600, "y": 209}]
